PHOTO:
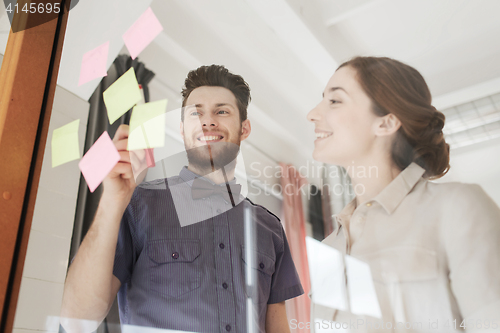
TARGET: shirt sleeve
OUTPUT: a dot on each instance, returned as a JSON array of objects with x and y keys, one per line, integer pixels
[
  {"x": 125, "y": 249},
  {"x": 285, "y": 283},
  {"x": 472, "y": 242}
]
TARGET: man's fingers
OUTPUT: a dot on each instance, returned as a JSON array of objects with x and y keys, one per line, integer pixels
[
  {"x": 121, "y": 144},
  {"x": 124, "y": 170},
  {"x": 138, "y": 165},
  {"x": 139, "y": 154},
  {"x": 121, "y": 133},
  {"x": 124, "y": 156},
  {"x": 131, "y": 163}
]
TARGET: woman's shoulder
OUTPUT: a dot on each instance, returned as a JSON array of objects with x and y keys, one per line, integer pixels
[
  {"x": 455, "y": 189},
  {"x": 461, "y": 196}
]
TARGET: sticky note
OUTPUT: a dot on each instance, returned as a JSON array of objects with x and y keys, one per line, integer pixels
[
  {"x": 122, "y": 95},
  {"x": 139, "y": 163},
  {"x": 94, "y": 64},
  {"x": 65, "y": 145},
  {"x": 362, "y": 295},
  {"x": 147, "y": 126},
  {"x": 150, "y": 158},
  {"x": 142, "y": 33},
  {"x": 99, "y": 160},
  {"x": 326, "y": 269}
]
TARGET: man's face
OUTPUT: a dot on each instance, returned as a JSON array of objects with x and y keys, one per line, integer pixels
[{"x": 212, "y": 129}]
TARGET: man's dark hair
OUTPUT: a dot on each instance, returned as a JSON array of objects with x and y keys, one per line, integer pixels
[{"x": 217, "y": 76}]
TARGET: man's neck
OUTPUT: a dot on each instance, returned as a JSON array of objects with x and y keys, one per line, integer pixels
[{"x": 220, "y": 176}]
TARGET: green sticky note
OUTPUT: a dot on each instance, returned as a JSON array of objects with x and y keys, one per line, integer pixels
[
  {"x": 65, "y": 146},
  {"x": 147, "y": 126},
  {"x": 122, "y": 95}
]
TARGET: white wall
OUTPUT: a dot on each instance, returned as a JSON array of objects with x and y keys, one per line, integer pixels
[
  {"x": 479, "y": 164},
  {"x": 46, "y": 261},
  {"x": 51, "y": 231}
]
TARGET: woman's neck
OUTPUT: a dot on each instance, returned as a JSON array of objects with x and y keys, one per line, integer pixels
[{"x": 369, "y": 179}]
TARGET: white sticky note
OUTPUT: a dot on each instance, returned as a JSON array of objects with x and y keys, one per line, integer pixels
[
  {"x": 147, "y": 126},
  {"x": 326, "y": 269},
  {"x": 362, "y": 295}
]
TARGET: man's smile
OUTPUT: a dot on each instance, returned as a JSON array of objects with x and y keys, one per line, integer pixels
[{"x": 210, "y": 137}]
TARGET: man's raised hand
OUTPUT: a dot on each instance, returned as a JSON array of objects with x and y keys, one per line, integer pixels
[{"x": 120, "y": 182}]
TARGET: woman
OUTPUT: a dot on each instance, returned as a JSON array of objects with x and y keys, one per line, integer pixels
[{"x": 433, "y": 249}]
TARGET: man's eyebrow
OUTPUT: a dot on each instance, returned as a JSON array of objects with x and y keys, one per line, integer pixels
[
  {"x": 336, "y": 88},
  {"x": 223, "y": 104},
  {"x": 218, "y": 105}
]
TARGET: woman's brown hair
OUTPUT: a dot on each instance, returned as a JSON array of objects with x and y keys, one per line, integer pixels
[{"x": 397, "y": 88}]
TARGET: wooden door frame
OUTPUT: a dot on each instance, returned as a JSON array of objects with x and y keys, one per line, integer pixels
[{"x": 28, "y": 79}]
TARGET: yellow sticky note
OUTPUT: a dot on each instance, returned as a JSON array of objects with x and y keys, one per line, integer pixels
[
  {"x": 122, "y": 95},
  {"x": 147, "y": 126},
  {"x": 65, "y": 145}
]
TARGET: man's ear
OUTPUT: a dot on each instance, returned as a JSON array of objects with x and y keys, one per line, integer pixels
[
  {"x": 387, "y": 125},
  {"x": 246, "y": 128},
  {"x": 181, "y": 128}
]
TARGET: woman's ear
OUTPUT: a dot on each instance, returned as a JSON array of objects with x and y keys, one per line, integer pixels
[{"x": 387, "y": 125}]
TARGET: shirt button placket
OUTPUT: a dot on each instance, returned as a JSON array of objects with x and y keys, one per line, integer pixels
[{"x": 223, "y": 272}]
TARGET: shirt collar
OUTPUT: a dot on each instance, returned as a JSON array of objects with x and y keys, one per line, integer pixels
[
  {"x": 392, "y": 195},
  {"x": 345, "y": 213},
  {"x": 189, "y": 176}
]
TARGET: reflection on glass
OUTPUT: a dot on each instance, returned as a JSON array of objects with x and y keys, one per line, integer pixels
[
  {"x": 362, "y": 296},
  {"x": 186, "y": 252},
  {"x": 327, "y": 275}
]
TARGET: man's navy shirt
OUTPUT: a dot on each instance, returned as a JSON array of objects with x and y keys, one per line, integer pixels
[{"x": 192, "y": 278}]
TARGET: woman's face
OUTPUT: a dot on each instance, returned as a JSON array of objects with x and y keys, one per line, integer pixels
[{"x": 344, "y": 120}]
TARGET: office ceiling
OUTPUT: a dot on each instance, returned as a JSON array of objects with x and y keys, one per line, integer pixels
[{"x": 287, "y": 50}]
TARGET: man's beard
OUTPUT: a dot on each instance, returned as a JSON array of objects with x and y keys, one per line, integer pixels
[{"x": 213, "y": 156}]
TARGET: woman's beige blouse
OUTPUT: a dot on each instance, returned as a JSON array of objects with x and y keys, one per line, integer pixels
[{"x": 434, "y": 254}]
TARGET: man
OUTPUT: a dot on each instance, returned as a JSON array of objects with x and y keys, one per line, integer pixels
[{"x": 175, "y": 255}]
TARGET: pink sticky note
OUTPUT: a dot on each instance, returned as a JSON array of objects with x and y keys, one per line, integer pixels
[
  {"x": 99, "y": 161},
  {"x": 142, "y": 32},
  {"x": 94, "y": 64},
  {"x": 150, "y": 157}
]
